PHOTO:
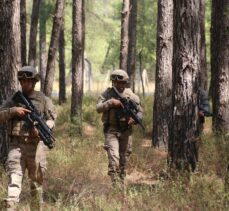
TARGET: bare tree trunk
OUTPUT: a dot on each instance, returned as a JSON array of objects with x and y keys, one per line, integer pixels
[
  {"x": 186, "y": 65},
  {"x": 131, "y": 65},
  {"x": 57, "y": 22},
  {"x": 203, "y": 61},
  {"x": 23, "y": 31},
  {"x": 214, "y": 45},
  {"x": 42, "y": 44},
  {"x": 33, "y": 33},
  {"x": 220, "y": 65},
  {"x": 9, "y": 57},
  {"x": 106, "y": 56},
  {"x": 77, "y": 61},
  {"x": 124, "y": 35},
  {"x": 163, "y": 80},
  {"x": 62, "y": 84},
  {"x": 140, "y": 70}
]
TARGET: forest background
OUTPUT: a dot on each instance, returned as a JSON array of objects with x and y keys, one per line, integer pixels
[{"x": 77, "y": 168}]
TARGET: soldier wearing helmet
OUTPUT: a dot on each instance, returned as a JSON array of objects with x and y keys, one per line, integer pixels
[
  {"x": 117, "y": 127},
  {"x": 26, "y": 150}
]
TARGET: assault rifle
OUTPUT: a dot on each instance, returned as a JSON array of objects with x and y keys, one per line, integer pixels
[
  {"x": 130, "y": 108},
  {"x": 35, "y": 120},
  {"x": 209, "y": 114}
]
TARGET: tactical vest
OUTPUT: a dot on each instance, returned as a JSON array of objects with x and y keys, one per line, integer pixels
[
  {"x": 17, "y": 126},
  {"x": 116, "y": 117}
]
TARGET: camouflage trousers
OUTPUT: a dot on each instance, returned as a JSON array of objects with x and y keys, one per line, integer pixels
[
  {"x": 119, "y": 147},
  {"x": 30, "y": 155}
]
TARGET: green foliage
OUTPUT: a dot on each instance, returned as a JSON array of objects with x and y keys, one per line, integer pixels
[{"x": 146, "y": 33}]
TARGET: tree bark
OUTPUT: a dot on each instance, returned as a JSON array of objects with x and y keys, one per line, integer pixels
[
  {"x": 163, "y": 79},
  {"x": 132, "y": 31},
  {"x": 10, "y": 56},
  {"x": 57, "y": 22},
  {"x": 203, "y": 61},
  {"x": 33, "y": 33},
  {"x": 124, "y": 35},
  {"x": 140, "y": 71},
  {"x": 220, "y": 65},
  {"x": 77, "y": 61},
  {"x": 42, "y": 44},
  {"x": 106, "y": 57},
  {"x": 23, "y": 32},
  {"x": 214, "y": 46},
  {"x": 186, "y": 65},
  {"x": 62, "y": 84}
]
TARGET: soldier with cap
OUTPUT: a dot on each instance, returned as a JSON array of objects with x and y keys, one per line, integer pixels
[
  {"x": 117, "y": 126},
  {"x": 26, "y": 150}
]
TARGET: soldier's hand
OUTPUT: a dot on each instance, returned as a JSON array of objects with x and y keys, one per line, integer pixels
[
  {"x": 131, "y": 121},
  {"x": 116, "y": 103},
  {"x": 201, "y": 113},
  {"x": 34, "y": 133},
  {"x": 19, "y": 111}
]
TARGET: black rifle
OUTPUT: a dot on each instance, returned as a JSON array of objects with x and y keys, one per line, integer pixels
[
  {"x": 130, "y": 108},
  {"x": 209, "y": 114},
  {"x": 35, "y": 120}
]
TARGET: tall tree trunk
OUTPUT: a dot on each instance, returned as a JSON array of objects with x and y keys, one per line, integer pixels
[
  {"x": 163, "y": 79},
  {"x": 131, "y": 65},
  {"x": 33, "y": 32},
  {"x": 10, "y": 56},
  {"x": 140, "y": 71},
  {"x": 124, "y": 35},
  {"x": 186, "y": 65},
  {"x": 214, "y": 46},
  {"x": 220, "y": 65},
  {"x": 42, "y": 44},
  {"x": 57, "y": 22},
  {"x": 23, "y": 31},
  {"x": 62, "y": 84},
  {"x": 203, "y": 61},
  {"x": 106, "y": 56},
  {"x": 77, "y": 61}
]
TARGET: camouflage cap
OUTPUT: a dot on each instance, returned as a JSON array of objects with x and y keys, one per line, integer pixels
[
  {"x": 119, "y": 75},
  {"x": 28, "y": 72}
]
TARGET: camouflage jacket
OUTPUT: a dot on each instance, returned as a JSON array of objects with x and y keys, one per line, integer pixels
[
  {"x": 114, "y": 116},
  {"x": 17, "y": 126}
]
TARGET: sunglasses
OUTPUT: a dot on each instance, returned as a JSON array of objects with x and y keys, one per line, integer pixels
[
  {"x": 24, "y": 75},
  {"x": 117, "y": 78}
]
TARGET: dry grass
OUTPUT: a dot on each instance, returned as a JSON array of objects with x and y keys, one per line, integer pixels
[{"x": 77, "y": 171}]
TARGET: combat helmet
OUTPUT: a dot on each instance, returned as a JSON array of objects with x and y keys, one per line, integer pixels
[
  {"x": 119, "y": 75},
  {"x": 28, "y": 72}
]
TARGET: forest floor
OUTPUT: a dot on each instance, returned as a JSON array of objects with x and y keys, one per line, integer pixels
[{"x": 77, "y": 171}]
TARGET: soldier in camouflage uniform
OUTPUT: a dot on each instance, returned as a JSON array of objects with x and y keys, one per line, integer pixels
[
  {"x": 26, "y": 150},
  {"x": 117, "y": 127}
]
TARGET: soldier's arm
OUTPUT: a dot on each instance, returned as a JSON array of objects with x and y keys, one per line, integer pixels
[
  {"x": 103, "y": 104},
  {"x": 140, "y": 111},
  {"x": 8, "y": 113},
  {"x": 50, "y": 113},
  {"x": 139, "y": 107}
]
